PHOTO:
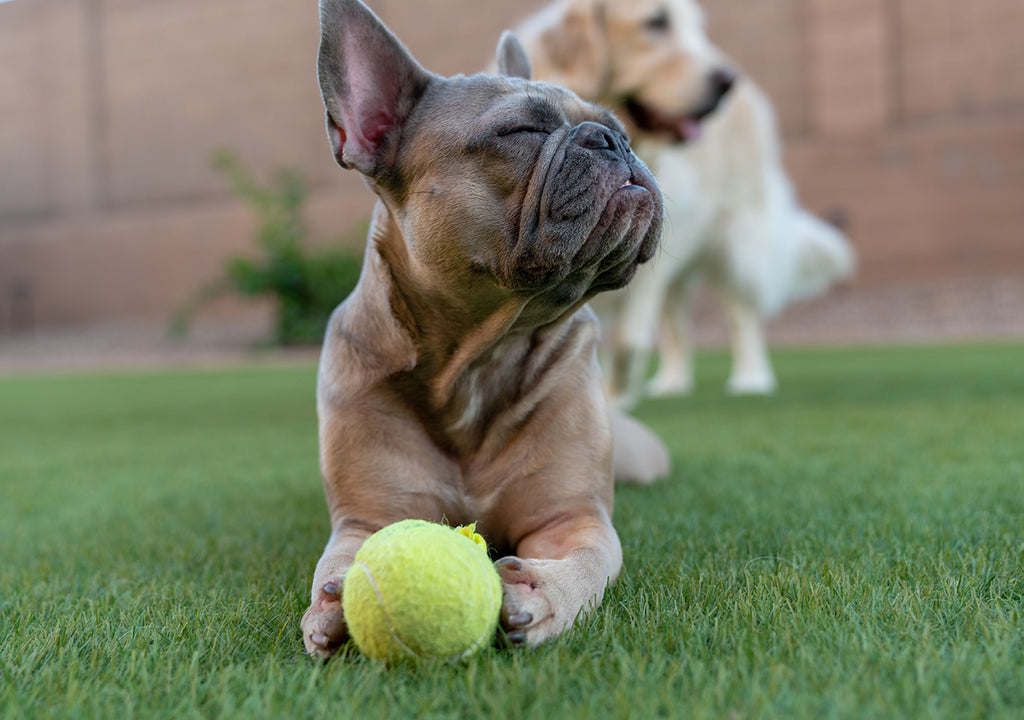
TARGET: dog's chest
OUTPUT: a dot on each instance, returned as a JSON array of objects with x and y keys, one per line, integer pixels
[
  {"x": 497, "y": 394},
  {"x": 485, "y": 390}
]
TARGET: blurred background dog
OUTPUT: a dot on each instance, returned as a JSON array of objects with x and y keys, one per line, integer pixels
[{"x": 732, "y": 218}]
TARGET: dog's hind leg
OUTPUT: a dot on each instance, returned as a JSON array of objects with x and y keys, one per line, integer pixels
[
  {"x": 634, "y": 334},
  {"x": 675, "y": 374},
  {"x": 752, "y": 372}
]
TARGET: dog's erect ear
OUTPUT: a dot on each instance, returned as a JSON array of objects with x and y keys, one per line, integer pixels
[
  {"x": 369, "y": 83},
  {"x": 512, "y": 58}
]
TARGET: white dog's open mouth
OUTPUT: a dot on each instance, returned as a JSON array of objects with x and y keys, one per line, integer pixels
[
  {"x": 688, "y": 126},
  {"x": 680, "y": 128}
]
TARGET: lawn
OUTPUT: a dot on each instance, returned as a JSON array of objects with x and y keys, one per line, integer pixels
[{"x": 850, "y": 548}]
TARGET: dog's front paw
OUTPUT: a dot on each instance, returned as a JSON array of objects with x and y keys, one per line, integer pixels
[
  {"x": 760, "y": 381},
  {"x": 323, "y": 626},
  {"x": 528, "y": 615}
]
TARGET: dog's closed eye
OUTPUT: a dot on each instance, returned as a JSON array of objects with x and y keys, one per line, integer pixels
[
  {"x": 659, "y": 21},
  {"x": 517, "y": 129}
]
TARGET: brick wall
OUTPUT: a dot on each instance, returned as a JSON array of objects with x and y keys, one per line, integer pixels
[{"x": 906, "y": 117}]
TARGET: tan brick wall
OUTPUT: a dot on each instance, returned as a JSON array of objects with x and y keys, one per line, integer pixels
[
  {"x": 905, "y": 115},
  {"x": 183, "y": 77},
  {"x": 935, "y": 202},
  {"x": 45, "y": 111},
  {"x": 847, "y": 66},
  {"x": 959, "y": 58},
  {"x": 768, "y": 38}
]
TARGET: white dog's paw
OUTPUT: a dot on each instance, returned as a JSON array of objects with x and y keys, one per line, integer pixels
[
  {"x": 756, "y": 383},
  {"x": 669, "y": 385},
  {"x": 528, "y": 615}
]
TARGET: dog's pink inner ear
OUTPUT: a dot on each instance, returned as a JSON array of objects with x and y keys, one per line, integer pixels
[
  {"x": 376, "y": 125},
  {"x": 369, "y": 81},
  {"x": 361, "y": 135},
  {"x": 373, "y": 90},
  {"x": 337, "y": 136}
]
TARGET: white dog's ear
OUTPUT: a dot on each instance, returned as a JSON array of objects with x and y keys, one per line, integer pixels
[
  {"x": 570, "y": 48},
  {"x": 369, "y": 83},
  {"x": 512, "y": 58}
]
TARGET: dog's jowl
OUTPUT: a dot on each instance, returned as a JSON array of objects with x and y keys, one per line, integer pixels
[{"x": 458, "y": 383}]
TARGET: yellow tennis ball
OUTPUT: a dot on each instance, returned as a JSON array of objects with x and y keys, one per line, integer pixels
[{"x": 421, "y": 590}]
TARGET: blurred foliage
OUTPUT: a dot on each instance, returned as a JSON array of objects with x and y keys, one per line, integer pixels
[{"x": 305, "y": 282}]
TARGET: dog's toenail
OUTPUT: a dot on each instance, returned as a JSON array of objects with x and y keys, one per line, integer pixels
[
  {"x": 319, "y": 639},
  {"x": 517, "y": 638},
  {"x": 331, "y": 588},
  {"x": 521, "y": 619},
  {"x": 510, "y": 563}
]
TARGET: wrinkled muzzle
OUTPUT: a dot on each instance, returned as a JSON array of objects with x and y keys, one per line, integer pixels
[{"x": 592, "y": 213}]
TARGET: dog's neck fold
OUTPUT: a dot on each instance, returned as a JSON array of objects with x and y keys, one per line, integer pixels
[
  {"x": 472, "y": 363},
  {"x": 448, "y": 335}
]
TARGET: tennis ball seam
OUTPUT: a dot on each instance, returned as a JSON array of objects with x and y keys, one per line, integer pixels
[
  {"x": 384, "y": 608},
  {"x": 391, "y": 620}
]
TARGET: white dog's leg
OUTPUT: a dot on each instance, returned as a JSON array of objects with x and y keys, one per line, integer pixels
[
  {"x": 634, "y": 335},
  {"x": 752, "y": 372},
  {"x": 675, "y": 375}
]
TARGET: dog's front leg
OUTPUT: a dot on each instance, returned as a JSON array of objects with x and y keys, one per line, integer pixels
[
  {"x": 559, "y": 572},
  {"x": 323, "y": 625},
  {"x": 634, "y": 335}
]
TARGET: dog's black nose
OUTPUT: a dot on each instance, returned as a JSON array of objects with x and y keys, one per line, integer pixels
[
  {"x": 721, "y": 82},
  {"x": 593, "y": 136}
]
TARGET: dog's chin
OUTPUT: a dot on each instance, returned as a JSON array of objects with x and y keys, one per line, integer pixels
[
  {"x": 639, "y": 200},
  {"x": 684, "y": 128},
  {"x": 626, "y": 237}
]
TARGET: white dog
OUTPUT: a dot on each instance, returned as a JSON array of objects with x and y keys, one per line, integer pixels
[{"x": 732, "y": 218}]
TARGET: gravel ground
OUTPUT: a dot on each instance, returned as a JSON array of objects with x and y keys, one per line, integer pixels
[{"x": 933, "y": 311}]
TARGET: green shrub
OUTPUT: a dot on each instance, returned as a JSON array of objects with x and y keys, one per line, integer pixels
[{"x": 306, "y": 283}]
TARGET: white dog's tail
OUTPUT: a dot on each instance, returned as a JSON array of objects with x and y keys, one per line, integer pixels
[
  {"x": 823, "y": 256},
  {"x": 639, "y": 456}
]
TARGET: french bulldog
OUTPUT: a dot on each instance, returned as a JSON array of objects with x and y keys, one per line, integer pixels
[{"x": 458, "y": 382}]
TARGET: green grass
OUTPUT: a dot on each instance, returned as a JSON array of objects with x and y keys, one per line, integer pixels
[{"x": 851, "y": 548}]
